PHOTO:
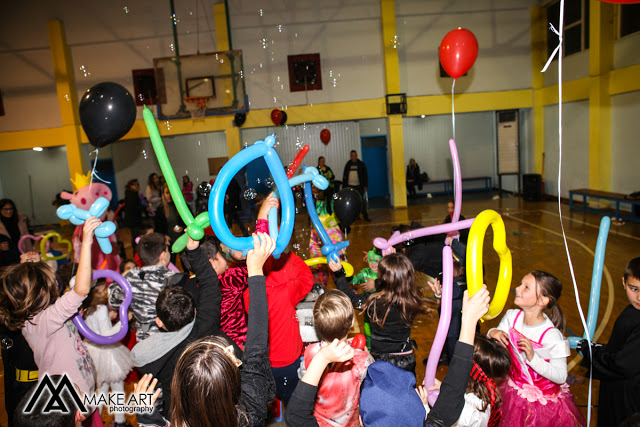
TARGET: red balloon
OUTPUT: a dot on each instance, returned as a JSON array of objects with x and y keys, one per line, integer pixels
[
  {"x": 359, "y": 341},
  {"x": 276, "y": 116},
  {"x": 458, "y": 51},
  {"x": 325, "y": 136}
]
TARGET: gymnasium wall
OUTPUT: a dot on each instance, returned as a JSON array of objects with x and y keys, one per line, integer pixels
[
  {"x": 188, "y": 155},
  {"x": 504, "y": 40},
  {"x": 575, "y": 147},
  {"x": 345, "y": 136},
  {"x": 625, "y": 150},
  {"x": 32, "y": 179}
]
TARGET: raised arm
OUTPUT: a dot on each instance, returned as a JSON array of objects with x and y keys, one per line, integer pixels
[
  {"x": 300, "y": 410},
  {"x": 258, "y": 386},
  {"x": 357, "y": 300},
  {"x": 208, "y": 308},
  {"x": 448, "y": 407},
  {"x": 613, "y": 366},
  {"x": 83, "y": 278}
]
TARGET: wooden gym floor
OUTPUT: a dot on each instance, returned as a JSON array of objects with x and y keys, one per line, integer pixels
[{"x": 535, "y": 239}]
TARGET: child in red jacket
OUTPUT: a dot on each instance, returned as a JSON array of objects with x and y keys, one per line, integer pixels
[{"x": 288, "y": 280}]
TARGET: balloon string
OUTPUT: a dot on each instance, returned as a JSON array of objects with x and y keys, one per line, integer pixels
[
  {"x": 453, "y": 110},
  {"x": 558, "y": 51},
  {"x": 93, "y": 171}
]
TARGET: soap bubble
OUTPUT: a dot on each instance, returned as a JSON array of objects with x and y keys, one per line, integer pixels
[
  {"x": 250, "y": 194},
  {"x": 6, "y": 343},
  {"x": 268, "y": 182},
  {"x": 204, "y": 189}
]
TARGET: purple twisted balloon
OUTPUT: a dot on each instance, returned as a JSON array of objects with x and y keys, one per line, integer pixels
[{"x": 124, "y": 307}]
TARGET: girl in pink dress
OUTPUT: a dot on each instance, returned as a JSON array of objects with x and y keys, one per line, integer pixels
[{"x": 536, "y": 393}]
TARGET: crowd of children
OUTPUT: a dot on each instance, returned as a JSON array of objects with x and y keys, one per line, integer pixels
[{"x": 219, "y": 342}]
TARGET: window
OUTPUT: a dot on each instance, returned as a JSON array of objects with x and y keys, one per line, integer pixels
[
  {"x": 576, "y": 26},
  {"x": 144, "y": 84},
  {"x": 629, "y": 19},
  {"x": 304, "y": 72}
]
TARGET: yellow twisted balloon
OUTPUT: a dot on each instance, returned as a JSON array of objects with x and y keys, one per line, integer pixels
[{"x": 348, "y": 268}]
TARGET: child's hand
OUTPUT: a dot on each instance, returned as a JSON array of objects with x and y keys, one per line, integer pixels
[
  {"x": 267, "y": 204},
  {"x": 263, "y": 247},
  {"x": 192, "y": 244},
  {"x": 525, "y": 345},
  {"x": 436, "y": 287},
  {"x": 90, "y": 226},
  {"x": 335, "y": 265},
  {"x": 143, "y": 387},
  {"x": 424, "y": 396},
  {"x": 337, "y": 351},
  {"x": 30, "y": 257},
  {"x": 477, "y": 306},
  {"x": 436, "y": 385},
  {"x": 367, "y": 286},
  {"x": 500, "y": 336}
]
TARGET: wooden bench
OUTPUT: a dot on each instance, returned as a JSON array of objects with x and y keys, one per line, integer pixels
[
  {"x": 617, "y": 198},
  {"x": 447, "y": 185}
]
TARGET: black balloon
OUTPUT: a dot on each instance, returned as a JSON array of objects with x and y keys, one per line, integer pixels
[
  {"x": 239, "y": 119},
  {"x": 284, "y": 118},
  {"x": 107, "y": 112},
  {"x": 347, "y": 206}
]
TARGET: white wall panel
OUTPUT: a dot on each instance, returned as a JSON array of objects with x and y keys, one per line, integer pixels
[
  {"x": 32, "y": 179},
  {"x": 188, "y": 154},
  {"x": 625, "y": 150},
  {"x": 502, "y": 30},
  {"x": 427, "y": 141},
  {"x": 345, "y": 136},
  {"x": 575, "y": 150},
  {"x": 626, "y": 51},
  {"x": 347, "y": 35}
]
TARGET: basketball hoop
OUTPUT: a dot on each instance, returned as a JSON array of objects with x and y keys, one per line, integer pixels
[{"x": 197, "y": 106}]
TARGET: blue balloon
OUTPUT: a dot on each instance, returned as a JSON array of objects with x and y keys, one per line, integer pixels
[
  {"x": 310, "y": 174},
  {"x": 329, "y": 249},
  {"x": 226, "y": 174},
  {"x": 78, "y": 216},
  {"x": 102, "y": 233},
  {"x": 596, "y": 283}
]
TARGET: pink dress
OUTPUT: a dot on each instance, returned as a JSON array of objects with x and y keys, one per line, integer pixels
[{"x": 529, "y": 399}]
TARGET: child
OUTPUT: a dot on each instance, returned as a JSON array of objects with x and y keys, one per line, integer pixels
[
  {"x": 288, "y": 280},
  {"x": 491, "y": 365},
  {"x": 183, "y": 321},
  {"x": 29, "y": 301},
  {"x": 208, "y": 386},
  {"x": 388, "y": 396},
  {"x": 146, "y": 283},
  {"x": 127, "y": 265},
  {"x": 324, "y": 205},
  {"x": 366, "y": 278},
  {"x": 616, "y": 363},
  {"x": 113, "y": 362},
  {"x": 536, "y": 392},
  {"x": 392, "y": 309},
  {"x": 339, "y": 392}
]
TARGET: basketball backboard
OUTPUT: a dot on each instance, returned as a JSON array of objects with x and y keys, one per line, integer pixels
[{"x": 216, "y": 75}]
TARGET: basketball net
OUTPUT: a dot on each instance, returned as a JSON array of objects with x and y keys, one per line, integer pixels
[{"x": 197, "y": 106}]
